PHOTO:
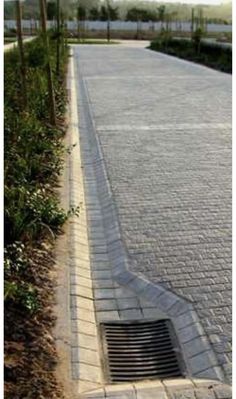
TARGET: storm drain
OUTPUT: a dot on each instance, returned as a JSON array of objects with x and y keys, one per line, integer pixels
[{"x": 140, "y": 350}]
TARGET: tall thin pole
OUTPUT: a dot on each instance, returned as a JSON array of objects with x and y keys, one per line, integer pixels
[
  {"x": 48, "y": 66},
  {"x": 58, "y": 38},
  {"x": 192, "y": 22},
  {"x": 21, "y": 50},
  {"x": 108, "y": 22}
]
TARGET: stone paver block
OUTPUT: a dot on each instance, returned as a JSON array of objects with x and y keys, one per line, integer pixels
[
  {"x": 166, "y": 300},
  {"x": 128, "y": 303},
  {"x": 106, "y": 316},
  {"x": 150, "y": 390},
  {"x": 122, "y": 293},
  {"x": 85, "y": 356},
  {"x": 85, "y": 386},
  {"x": 152, "y": 313},
  {"x": 189, "y": 333},
  {"x": 104, "y": 293},
  {"x": 103, "y": 283},
  {"x": 212, "y": 372},
  {"x": 87, "y": 341},
  {"x": 84, "y": 327},
  {"x": 82, "y": 291},
  {"x": 87, "y": 315},
  {"x": 86, "y": 372},
  {"x": 81, "y": 272},
  {"x": 131, "y": 314},
  {"x": 197, "y": 345},
  {"x": 223, "y": 392},
  {"x": 122, "y": 391},
  {"x": 204, "y": 393},
  {"x": 202, "y": 361},
  {"x": 178, "y": 383},
  {"x": 83, "y": 303},
  {"x": 79, "y": 280},
  {"x": 185, "y": 319},
  {"x": 101, "y": 274},
  {"x": 183, "y": 394},
  {"x": 106, "y": 304},
  {"x": 204, "y": 383}
]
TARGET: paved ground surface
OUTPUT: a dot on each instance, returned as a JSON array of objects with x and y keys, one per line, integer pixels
[{"x": 164, "y": 128}]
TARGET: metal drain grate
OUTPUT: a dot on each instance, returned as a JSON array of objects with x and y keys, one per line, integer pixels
[{"x": 140, "y": 350}]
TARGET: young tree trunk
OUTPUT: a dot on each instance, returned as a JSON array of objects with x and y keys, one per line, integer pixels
[
  {"x": 58, "y": 38},
  {"x": 192, "y": 23},
  {"x": 21, "y": 52},
  {"x": 48, "y": 66},
  {"x": 108, "y": 22}
]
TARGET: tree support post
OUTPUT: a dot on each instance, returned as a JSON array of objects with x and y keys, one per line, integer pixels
[
  {"x": 21, "y": 51},
  {"x": 48, "y": 66}
]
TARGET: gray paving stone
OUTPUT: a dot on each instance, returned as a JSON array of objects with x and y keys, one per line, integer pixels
[
  {"x": 106, "y": 304},
  {"x": 128, "y": 303},
  {"x": 202, "y": 361},
  {"x": 131, "y": 314},
  {"x": 169, "y": 171},
  {"x": 101, "y": 274},
  {"x": 204, "y": 393},
  {"x": 183, "y": 394},
  {"x": 197, "y": 345},
  {"x": 103, "y": 283},
  {"x": 85, "y": 356},
  {"x": 223, "y": 392},
  {"x": 211, "y": 373},
  {"x": 104, "y": 293},
  {"x": 190, "y": 332},
  {"x": 106, "y": 316}
]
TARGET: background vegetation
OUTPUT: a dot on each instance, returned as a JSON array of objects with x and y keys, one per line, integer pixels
[
  {"x": 126, "y": 10},
  {"x": 209, "y": 54}
]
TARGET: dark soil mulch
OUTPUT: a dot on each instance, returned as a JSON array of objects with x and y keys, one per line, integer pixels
[{"x": 30, "y": 354}]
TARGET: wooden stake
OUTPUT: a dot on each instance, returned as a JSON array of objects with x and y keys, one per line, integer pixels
[
  {"x": 58, "y": 38},
  {"x": 21, "y": 51},
  {"x": 48, "y": 66}
]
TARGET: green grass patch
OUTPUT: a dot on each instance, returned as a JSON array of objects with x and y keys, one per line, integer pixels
[
  {"x": 91, "y": 41},
  {"x": 209, "y": 54}
]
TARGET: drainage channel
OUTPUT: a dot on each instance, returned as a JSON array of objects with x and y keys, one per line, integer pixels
[{"x": 114, "y": 299}]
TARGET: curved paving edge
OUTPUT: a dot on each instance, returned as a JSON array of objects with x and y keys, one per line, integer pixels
[{"x": 91, "y": 279}]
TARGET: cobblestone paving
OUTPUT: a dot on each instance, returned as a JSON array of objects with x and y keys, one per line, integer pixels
[{"x": 165, "y": 130}]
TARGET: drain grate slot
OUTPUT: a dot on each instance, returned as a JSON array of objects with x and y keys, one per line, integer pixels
[{"x": 140, "y": 350}]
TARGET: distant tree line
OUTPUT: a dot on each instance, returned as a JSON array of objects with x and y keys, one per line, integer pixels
[{"x": 129, "y": 10}]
